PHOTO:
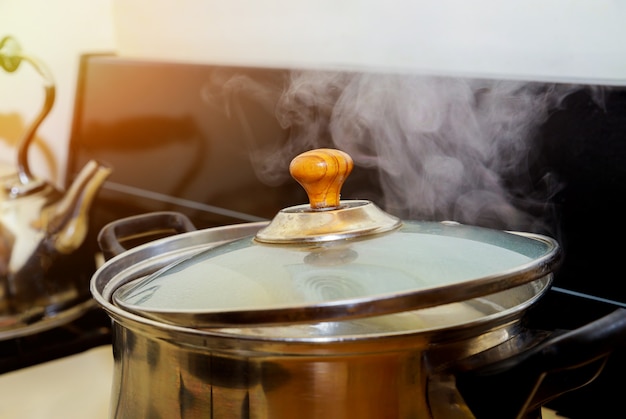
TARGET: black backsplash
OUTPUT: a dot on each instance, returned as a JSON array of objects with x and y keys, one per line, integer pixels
[
  {"x": 584, "y": 144},
  {"x": 169, "y": 151}
]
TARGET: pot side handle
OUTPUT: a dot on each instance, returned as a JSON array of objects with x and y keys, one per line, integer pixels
[
  {"x": 154, "y": 224},
  {"x": 564, "y": 362}
]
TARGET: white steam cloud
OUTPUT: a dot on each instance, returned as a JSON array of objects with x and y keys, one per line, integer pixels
[{"x": 443, "y": 148}]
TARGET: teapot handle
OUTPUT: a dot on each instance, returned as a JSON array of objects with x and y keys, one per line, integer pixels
[
  {"x": 11, "y": 56},
  {"x": 163, "y": 223},
  {"x": 563, "y": 362}
]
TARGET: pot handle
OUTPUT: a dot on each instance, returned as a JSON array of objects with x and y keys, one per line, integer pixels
[
  {"x": 527, "y": 380},
  {"x": 153, "y": 224}
]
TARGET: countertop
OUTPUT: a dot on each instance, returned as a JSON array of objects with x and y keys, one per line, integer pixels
[{"x": 75, "y": 387}]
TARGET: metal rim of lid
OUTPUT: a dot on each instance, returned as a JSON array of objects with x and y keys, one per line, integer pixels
[{"x": 355, "y": 218}]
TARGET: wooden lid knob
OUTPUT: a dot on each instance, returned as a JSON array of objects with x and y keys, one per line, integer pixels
[{"x": 321, "y": 173}]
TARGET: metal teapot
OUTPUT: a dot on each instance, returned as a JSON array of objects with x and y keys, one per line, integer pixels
[{"x": 45, "y": 264}]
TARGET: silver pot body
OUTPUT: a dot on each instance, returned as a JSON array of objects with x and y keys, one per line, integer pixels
[
  {"x": 169, "y": 375},
  {"x": 168, "y": 371}
]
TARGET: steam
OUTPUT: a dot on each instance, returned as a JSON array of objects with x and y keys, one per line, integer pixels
[{"x": 443, "y": 148}]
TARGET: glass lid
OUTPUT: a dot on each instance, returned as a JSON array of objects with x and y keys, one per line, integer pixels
[{"x": 336, "y": 260}]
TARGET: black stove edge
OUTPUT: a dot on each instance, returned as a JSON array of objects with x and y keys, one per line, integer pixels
[{"x": 564, "y": 309}]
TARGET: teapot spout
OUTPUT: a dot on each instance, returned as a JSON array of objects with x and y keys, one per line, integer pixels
[{"x": 67, "y": 221}]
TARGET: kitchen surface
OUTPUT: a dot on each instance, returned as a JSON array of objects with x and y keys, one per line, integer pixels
[
  {"x": 416, "y": 209},
  {"x": 56, "y": 389}
]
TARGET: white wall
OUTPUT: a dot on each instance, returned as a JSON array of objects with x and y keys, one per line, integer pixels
[
  {"x": 529, "y": 39},
  {"x": 560, "y": 40},
  {"x": 56, "y": 32}
]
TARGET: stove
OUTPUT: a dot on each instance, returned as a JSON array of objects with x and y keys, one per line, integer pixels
[{"x": 175, "y": 142}]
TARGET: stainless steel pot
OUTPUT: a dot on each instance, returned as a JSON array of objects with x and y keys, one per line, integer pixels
[{"x": 405, "y": 352}]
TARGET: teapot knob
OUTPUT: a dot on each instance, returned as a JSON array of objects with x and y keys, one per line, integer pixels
[{"x": 322, "y": 172}]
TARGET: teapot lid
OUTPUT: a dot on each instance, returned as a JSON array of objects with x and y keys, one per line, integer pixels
[{"x": 336, "y": 260}]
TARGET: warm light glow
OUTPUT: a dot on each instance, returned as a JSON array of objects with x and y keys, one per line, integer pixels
[{"x": 56, "y": 33}]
